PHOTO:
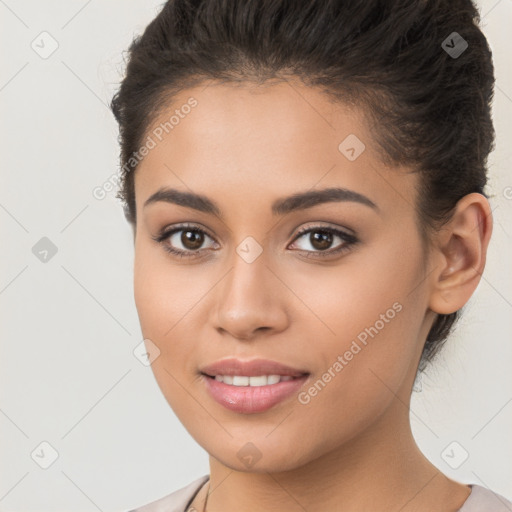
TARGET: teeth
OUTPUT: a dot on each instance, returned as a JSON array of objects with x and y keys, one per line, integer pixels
[
  {"x": 240, "y": 381},
  {"x": 260, "y": 380},
  {"x": 273, "y": 379}
]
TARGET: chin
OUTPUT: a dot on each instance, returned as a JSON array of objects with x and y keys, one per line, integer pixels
[
  {"x": 276, "y": 464},
  {"x": 262, "y": 454}
]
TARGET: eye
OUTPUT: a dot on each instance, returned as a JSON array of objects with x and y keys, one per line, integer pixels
[
  {"x": 321, "y": 239},
  {"x": 188, "y": 240},
  {"x": 183, "y": 240}
]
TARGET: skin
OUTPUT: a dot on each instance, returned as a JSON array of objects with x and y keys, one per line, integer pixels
[{"x": 351, "y": 447}]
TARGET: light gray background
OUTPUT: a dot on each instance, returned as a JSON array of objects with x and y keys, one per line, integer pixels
[{"x": 69, "y": 326}]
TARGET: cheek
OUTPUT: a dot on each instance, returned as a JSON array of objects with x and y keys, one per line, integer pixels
[
  {"x": 162, "y": 292},
  {"x": 371, "y": 319},
  {"x": 147, "y": 293},
  {"x": 163, "y": 298},
  {"x": 168, "y": 298},
  {"x": 351, "y": 297}
]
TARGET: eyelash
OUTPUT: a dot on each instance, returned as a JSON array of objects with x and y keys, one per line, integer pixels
[{"x": 349, "y": 240}]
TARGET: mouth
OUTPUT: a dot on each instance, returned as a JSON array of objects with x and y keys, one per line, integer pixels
[
  {"x": 254, "y": 386},
  {"x": 253, "y": 381}
]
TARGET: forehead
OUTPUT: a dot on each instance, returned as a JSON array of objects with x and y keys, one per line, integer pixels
[{"x": 263, "y": 139}]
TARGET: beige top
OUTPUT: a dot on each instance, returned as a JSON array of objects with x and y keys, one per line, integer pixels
[{"x": 481, "y": 499}]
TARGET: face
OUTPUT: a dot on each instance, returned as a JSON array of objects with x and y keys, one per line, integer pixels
[{"x": 324, "y": 291}]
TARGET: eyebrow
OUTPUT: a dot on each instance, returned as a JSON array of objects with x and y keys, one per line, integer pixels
[{"x": 282, "y": 206}]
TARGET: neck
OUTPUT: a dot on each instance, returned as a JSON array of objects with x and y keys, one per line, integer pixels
[{"x": 382, "y": 469}]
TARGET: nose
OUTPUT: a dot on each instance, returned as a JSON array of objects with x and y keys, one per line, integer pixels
[{"x": 251, "y": 300}]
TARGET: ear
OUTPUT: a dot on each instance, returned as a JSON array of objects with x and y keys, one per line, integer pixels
[{"x": 459, "y": 254}]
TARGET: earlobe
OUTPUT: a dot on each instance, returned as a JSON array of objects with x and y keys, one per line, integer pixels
[{"x": 460, "y": 253}]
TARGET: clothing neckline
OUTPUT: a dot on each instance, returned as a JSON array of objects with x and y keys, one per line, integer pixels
[{"x": 207, "y": 481}]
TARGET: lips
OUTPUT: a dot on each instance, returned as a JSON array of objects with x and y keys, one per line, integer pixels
[
  {"x": 252, "y": 368},
  {"x": 251, "y": 386}
]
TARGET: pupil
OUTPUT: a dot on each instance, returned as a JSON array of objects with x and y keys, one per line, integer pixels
[
  {"x": 192, "y": 239},
  {"x": 321, "y": 239}
]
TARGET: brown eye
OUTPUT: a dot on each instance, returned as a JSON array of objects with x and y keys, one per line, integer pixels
[
  {"x": 184, "y": 241},
  {"x": 321, "y": 239},
  {"x": 191, "y": 239}
]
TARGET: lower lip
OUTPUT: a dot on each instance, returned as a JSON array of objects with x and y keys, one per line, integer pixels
[{"x": 252, "y": 399}]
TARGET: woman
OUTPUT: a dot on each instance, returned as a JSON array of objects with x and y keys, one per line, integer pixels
[{"x": 305, "y": 181}]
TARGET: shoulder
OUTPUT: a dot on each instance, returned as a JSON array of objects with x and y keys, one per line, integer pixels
[
  {"x": 176, "y": 501},
  {"x": 482, "y": 499}
]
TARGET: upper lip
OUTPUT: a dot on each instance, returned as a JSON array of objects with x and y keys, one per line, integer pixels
[{"x": 250, "y": 368}]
